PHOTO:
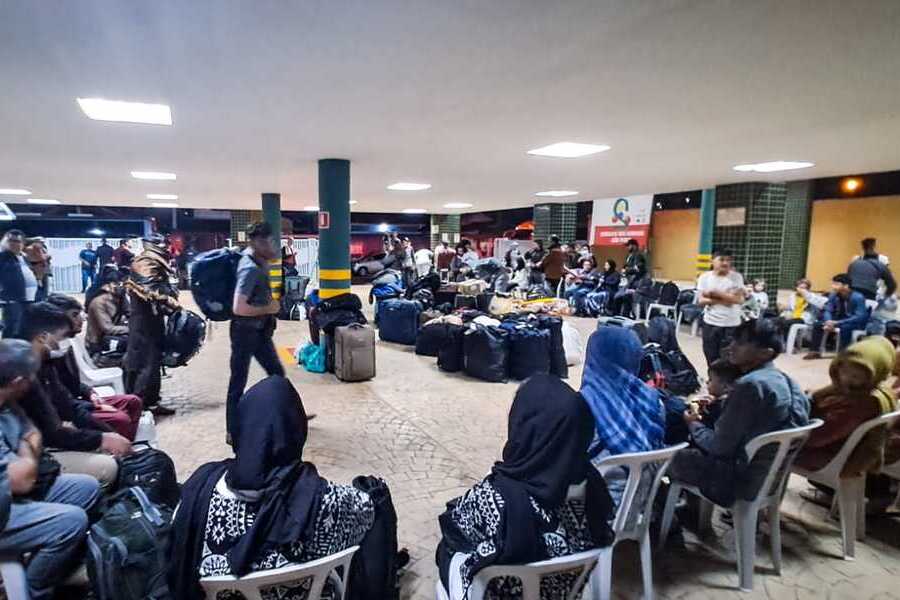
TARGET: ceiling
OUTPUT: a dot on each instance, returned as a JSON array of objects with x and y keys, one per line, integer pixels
[{"x": 452, "y": 93}]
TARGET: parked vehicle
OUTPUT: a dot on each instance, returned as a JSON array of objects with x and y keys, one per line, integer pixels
[{"x": 368, "y": 265}]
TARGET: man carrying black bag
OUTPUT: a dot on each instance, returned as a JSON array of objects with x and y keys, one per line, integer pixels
[{"x": 255, "y": 318}]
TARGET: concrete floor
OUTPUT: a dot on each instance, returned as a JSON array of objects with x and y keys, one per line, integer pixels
[{"x": 431, "y": 435}]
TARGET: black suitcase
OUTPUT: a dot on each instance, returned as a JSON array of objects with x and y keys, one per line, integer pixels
[{"x": 329, "y": 352}]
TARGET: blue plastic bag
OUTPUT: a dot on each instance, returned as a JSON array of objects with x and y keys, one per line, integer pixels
[{"x": 312, "y": 357}]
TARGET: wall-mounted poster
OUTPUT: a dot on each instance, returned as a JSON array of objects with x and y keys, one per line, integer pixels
[{"x": 614, "y": 221}]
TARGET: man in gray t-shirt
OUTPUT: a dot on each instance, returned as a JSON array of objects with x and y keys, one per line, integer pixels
[{"x": 254, "y": 318}]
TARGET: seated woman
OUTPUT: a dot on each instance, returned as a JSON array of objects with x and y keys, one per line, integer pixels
[
  {"x": 580, "y": 281},
  {"x": 542, "y": 500},
  {"x": 628, "y": 414},
  {"x": 859, "y": 391},
  {"x": 107, "y": 316},
  {"x": 597, "y": 301},
  {"x": 266, "y": 507}
]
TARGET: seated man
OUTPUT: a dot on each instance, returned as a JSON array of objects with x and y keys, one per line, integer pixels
[
  {"x": 845, "y": 310},
  {"x": 859, "y": 391},
  {"x": 763, "y": 400},
  {"x": 107, "y": 315},
  {"x": 46, "y": 518},
  {"x": 121, "y": 412},
  {"x": 81, "y": 444}
]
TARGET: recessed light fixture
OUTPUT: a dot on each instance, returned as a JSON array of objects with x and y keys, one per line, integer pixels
[
  {"x": 382, "y": 227},
  {"x": 311, "y": 208},
  {"x": 405, "y": 186},
  {"x": 162, "y": 196},
  {"x": 457, "y": 205},
  {"x": 851, "y": 184},
  {"x": 43, "y": 201},
  {"x": 557, "y": 193},
  {"x": 165, "y": 205},
  {"x": 414, "y": 211},
  {"x": 100, "y": 109},
  {"x": 155, "y": 175},
  {"x": 352, "y": 202},
  {"x": 772, "y": 166},
  {"x": 569, "y": 150},
  {"x": 5, "y": 213},
  {"x": 14, "y": 192},
  {"x": 80, "y": 215},
  {"x": 96, "y": 231}
]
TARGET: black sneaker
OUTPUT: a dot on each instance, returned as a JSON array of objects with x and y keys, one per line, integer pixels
[{"x": 162, "y": 411}]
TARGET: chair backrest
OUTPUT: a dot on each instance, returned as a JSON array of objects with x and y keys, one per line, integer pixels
[
  {"x": 633, "y": 518},
  {"x": 82, "y": 356},
  {"x": 789, "y": 442},
  {"x": 836, "y": 465},
  {"x": 251, "y": 586},
  {"x": 531, "y": 574}
]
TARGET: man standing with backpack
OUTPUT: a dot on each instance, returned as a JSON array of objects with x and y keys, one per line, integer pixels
[
  {"x": 254, "y": 318},
  {"x": 867, "y": 270}
]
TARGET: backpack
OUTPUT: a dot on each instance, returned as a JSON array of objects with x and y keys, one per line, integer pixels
[
  {"x": 185, "y": 332},
  {"x": 383, "y": 291},
  {"x": 153, "y": 472},
  {"x": 213, "y": 279},
  {"x": 127, "y": 556},
  {"x": 669, "y": 294},
  {"x": 670, "y": 371},
  {"x": 430, "y": 282}
]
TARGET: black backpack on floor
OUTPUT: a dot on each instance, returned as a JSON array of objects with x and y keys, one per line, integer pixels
[
  {"x": 153, "y": 472},
  {"x": 670, "y": 371},
  {"x": 127, "y": 554}
]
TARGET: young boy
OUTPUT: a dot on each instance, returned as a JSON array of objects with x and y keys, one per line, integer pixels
[{"x": 722, "y": 377}]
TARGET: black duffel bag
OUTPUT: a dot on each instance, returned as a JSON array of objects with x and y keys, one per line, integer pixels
[
  {"x": 529, "y": 352},
  {"x": 431, "y": 338},
  {"x": 558, "y": 364},
  {"x": 450, "y": 355},
  {"x": 340, "y": 302},
  {"x": 486, "y": 351}
]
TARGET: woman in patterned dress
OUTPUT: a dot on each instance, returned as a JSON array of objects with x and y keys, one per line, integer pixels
[
  {"x": 265, "y": 508},
  {"x": 543, "y": 500}
]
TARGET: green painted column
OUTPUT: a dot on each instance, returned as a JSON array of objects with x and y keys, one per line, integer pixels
[
  {"x": 271, "y": 208},
  {"x": 707, "y": 228},
  {"x": 334, "y": 227}
]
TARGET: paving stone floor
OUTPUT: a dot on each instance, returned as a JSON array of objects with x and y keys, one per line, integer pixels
[{"x": 431, "y": 435}]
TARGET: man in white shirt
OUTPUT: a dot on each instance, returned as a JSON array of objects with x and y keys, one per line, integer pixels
[{"x": 721, "y": 293}]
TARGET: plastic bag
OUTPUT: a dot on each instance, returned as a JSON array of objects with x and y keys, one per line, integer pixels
[{"x": 312, "y": 357}]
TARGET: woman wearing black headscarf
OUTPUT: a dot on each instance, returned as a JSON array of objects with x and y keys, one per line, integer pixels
[
  {"x": 266, "y": 507},
  {"x": 543, "y": 500}
]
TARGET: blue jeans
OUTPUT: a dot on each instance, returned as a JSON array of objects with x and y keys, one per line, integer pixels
[
  {"x": 87, "y": 279},
  {"x": 13, "y": 314},
  {"x": 52, "y": 530}
]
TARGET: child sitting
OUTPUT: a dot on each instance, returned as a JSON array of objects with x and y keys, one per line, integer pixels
[{"x": 722, "y": 376}]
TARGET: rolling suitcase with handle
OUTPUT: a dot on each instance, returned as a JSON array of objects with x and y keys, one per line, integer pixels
[{"x": 354, "y": 352}]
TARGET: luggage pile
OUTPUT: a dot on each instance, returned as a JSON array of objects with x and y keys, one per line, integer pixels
[{"x": 346, "y": 346}]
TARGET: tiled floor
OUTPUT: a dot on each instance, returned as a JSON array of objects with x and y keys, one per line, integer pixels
[{"x": 432, "y": 434}]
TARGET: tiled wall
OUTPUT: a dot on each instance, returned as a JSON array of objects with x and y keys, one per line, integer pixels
[
  {"x": 446, "y": 228},
  {"x": 555, "y": 219},
  {"x": 795, "y": 240},
  {"x": 240, "y": 220}
]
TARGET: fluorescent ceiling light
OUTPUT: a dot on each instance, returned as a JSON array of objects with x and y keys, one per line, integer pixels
[
  {"x": 382, "y": 227},
  {"x": 772, "y": 166},
  {"x": 311, "y": 208},
  {"x": 5, "y": 213},
  {"x": 43, "y": 201},
  {"x": 14, "y": 192},
  {"x": 569, "y": 150},
  {"x": 457, "y": 205},
  {"x": 157, "y": 175},
  {"x": 405, "y": 186},
  {"x": 352, "y": 202},
  {"x": 99, "y": 109},
  {"x": 22, "y": 215},
  {"x": 81, "y": 215},
  {"x": 414, "y": 211},
  {"x": 557, "y": 193},
  {"x": 162, "y": 196},
  {"x": 165, "y": 205},
  {"x": 96, "y": 231}
]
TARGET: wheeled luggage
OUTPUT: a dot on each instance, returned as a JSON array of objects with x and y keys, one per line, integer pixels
[
  {"x": 354, "y": 352},
  {"x": 398, "y": 321}
]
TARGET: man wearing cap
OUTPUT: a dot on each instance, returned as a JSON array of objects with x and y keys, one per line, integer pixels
[{"x": 153, "y": 297}]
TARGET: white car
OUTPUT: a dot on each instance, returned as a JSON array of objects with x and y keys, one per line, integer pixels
[{"x": 368, "y": 264}]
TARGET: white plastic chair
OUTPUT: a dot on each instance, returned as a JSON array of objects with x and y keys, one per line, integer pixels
[
  {"x": 15, "y": 583},
  {"x": 321, "y": 570},
  {"x": 694, "y": 326},
  {"x": 632, "y": 520},
  {"x": 892, "y": 471},
  {"x": 745, "y": 512},
  {"x": 530, "y": 575},
  {"x": 796, "y": 333},
  {"x": 850, "y": 491},
  {"x": 92, "y": 375},
  {"x": 668, "y": 310}
]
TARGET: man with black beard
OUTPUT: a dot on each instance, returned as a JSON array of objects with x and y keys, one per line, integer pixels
[{"x": 153, "y": 298}]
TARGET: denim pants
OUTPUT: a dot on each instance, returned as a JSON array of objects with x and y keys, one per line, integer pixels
[
  {"x": 87, "y": 279},
  {"x": 13, "y": 315},
  {"x": 52, "y": 530},
  {"x": 250, "y": 338}
]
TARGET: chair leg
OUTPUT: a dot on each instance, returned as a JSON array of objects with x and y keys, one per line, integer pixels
[
  {"x": 704, "y": 516},
  {"x": 775, "y": 534},
  {"x": 647, "y": 566},
  {"x": 861, "y": 508},
  {"x": 745, "y": 528},
  {"x": 668, "y": 513},
  {"x": 601, "y": 577},
  {"x": 14, "y": 582},
  {"x": 847, "y": 501}
]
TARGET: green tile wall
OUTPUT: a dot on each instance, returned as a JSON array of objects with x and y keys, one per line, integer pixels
[
  {"x": 795, "y": 239},
  {"x": 555, "y": 219},
  {"x": 444, "y": 224},
  {"x": 240, "y": 219}
]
